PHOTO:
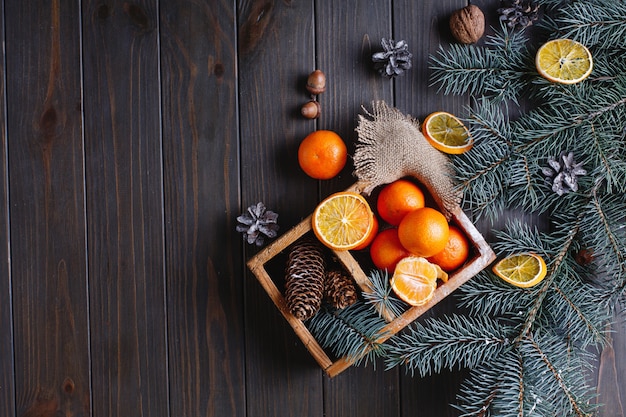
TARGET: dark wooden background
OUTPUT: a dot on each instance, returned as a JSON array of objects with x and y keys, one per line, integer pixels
[{"x": 133, "y": 135}]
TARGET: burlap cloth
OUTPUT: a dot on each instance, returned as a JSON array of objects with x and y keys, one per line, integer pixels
[{"x": 391, "y": 146}]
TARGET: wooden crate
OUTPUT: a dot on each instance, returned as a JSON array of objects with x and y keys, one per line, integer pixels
[{"x": 482, "y": 255}]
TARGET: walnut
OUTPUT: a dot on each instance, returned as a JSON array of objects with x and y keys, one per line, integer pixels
[{"x": 468, "y": 24}]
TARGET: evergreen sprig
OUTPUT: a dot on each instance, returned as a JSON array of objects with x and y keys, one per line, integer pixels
[
  {"x": 457, "y": 341},
  {"x": 352, "y": 332},
  {"x": 498, "y": 71},
  {"x": 594, "y": 23},
  {"x": 382, "y": 298}
]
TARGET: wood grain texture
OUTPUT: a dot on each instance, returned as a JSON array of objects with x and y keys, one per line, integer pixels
[
  {"x": 7, "y": 386},
  {"x": 132, "y": 134},
  {"x": 201, "y": 174},
  {"x": 611, "y": 370},
  {"x": 47, "y": 230},
  {"x": 124, "y": 206},
  {"x": 276, "y": 54},
  {"x": 346, "y": 37}
]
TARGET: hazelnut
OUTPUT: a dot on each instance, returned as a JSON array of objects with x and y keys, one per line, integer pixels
[
  {"x": 468, "y": 24},
  {"x": 311, "y": 109},
  {"x": 316, "y": 83}
]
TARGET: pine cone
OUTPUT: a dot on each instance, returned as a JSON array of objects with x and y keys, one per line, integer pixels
[
  {"x": 564, "y": 173},
  {"x": 339, "y": 289},
  {"x": 394, "y": 60},
  {"x": 304, "y": 281},
  {"x": 257, "y": 224},
  {"x": 520, "y": 13}
]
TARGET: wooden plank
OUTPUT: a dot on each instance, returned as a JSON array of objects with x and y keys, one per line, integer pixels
[
  {"x": 347, "y": 35},
  {"x": 201, "y": 172},
  {"x": 611, "y": 368},
  {"x": 425, "y": 27},
  {"x": 7, "y": 385},
  {"x": 276, "y": 54},
  {"x": 47, "y": 226},
  {"x": 124, "y": 208},
  {"x": 346, "y": 38}
]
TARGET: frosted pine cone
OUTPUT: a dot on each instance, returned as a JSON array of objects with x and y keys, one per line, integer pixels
[
  {"x": 563, "y": 172},
  {"x": 258, "y": 223},
  {"x": 520, "y": 13},
  {"x": 395, "y": 58}
]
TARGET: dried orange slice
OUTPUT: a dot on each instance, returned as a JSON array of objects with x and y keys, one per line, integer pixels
[
  {"x": 415, "y": 280},
  {"x": 564, "y": 61},
  {"x": 447, "y": 133},
  {"x": 522, "y": 270},
  {"x": 343, "y": 221}
]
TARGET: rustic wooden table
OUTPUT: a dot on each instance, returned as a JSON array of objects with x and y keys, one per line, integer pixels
[{"x": 133, "y": 135}]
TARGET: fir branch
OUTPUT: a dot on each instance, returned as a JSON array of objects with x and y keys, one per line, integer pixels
[
  {"x": 544, "y": 286},
  {"x": 599, "y": 24},
  {"x": 524, "y": 190},
  {"x": 493, "y": 71},
  {"x": 481, "y": 173},
  {"x": 576, "y": 313},
  {"x": 496, "y": 388},
  {"x": 518, "y": 236},
  {"x": 446, "y": 343},
  {"x": 605, "y": 234},
  {"x": 608, "y": 156},
  {"x": 352, "y": 332},
  {"x": 382, "y": 297},
  {"x": 556, "y": 379},
  {"x": 488, "y": 295}
]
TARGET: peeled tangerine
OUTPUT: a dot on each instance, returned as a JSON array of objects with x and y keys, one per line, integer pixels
[{"x": 415, "y": 280}]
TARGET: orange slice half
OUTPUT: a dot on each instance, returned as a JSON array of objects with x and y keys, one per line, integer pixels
[
  {"x": 447, "y": 133},
  {"x": 564, "y": 61},
  {"x": 522, "y": 270},
  {"x": 343, "y": 221}
]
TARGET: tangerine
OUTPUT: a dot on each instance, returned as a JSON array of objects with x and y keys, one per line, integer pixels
[
  {"x": 397, "y": 199},
  {"x": 322, "y": 154},
  {"x": 415, "y": 280},
  {"x": 424, "y": 232},
  {"x": 386, "y": 250},
  {"x": 455, "y": 253}
]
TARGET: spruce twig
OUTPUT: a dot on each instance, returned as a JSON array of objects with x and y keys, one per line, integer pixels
[
  {"x": 352, "y": 332},
  {"x": 456, "y": 341},
  {"x": 548, "y": 282},
  {"x": 382, "y": 297}
]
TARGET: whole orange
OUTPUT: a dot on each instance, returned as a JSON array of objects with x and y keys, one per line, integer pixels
[
  {"x": 455, "y": 253},
  {"x": 371, "y": 236},
  {"x": 424, "y": 232},
  {"x": 397, "y": 199},
  {"x": 322, "y": 154},
  {"x": 386, "y": 250}
]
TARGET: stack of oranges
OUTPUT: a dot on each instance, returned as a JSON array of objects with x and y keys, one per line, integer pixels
[{"x": 415, "y": 235}]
